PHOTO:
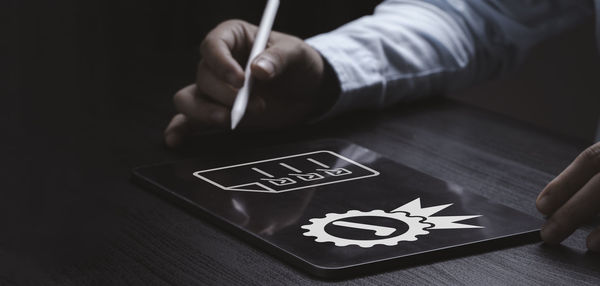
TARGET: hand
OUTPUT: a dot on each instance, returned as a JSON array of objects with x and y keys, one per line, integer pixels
[
  {"x": 573, "y": 198},
  {"x": 291, "y": 83}
]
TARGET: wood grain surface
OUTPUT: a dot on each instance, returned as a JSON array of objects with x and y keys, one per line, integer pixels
[{"x": 78, "y": 220}]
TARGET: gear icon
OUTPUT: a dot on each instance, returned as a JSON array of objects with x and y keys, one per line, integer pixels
[{"x": 417, "y": 225}]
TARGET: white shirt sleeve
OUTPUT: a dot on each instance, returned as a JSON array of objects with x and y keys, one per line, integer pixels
[{"x": 411, "y": 48}]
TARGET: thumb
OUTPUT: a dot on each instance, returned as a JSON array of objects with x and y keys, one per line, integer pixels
[{"x": 274, "y": 61}]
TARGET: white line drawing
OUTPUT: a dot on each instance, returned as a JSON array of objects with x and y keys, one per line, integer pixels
[
  {"x": 255, "y": 185},
  {"x": 336, "y": 172},
  {"x": 308, "y": 176},
  {"x": 263, "y": 172},
  {"x": 280, "y": 181},
  {"x": 418, "y": 219},
  {"x": 379, "y": 230},
  {"x": 318, "y": 163},
  {"x": 290, "y": 167},
  {"x": 277, "y": 184}
]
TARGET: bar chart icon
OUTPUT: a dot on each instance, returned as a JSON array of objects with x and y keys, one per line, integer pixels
[{"x": 288, "y": 173}]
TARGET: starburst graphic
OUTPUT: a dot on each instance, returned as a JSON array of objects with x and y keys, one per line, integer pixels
[
  {"x": 418, "y": 219},
  {"x": 440, "y": 222}
]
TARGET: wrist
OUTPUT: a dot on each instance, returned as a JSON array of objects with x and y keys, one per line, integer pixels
[{"x": 327, "y": 88}]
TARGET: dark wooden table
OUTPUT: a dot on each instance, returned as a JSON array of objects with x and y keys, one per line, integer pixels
[{"x": 71, "y": 216}]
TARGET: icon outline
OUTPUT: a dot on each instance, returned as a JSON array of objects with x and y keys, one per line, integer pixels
[
  {"x": 198, "y": 174},
  {"x": 284, "y": 181},
  {"x": 311, "y": 176},
  {"x": 420, "y": 221}
]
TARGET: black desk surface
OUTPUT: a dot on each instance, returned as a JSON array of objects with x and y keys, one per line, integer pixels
[
  {"x": 70, "y": 214},
  {"x": 75, "y": 127}
]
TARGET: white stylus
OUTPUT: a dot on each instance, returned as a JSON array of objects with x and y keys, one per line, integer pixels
[{"x": 260, "y": 43}]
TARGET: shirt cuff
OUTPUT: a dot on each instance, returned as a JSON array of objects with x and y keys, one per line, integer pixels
[{"x": 358, "y": 90}]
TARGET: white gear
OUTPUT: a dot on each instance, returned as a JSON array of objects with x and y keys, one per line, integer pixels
[{"x": 417, "y": 225}]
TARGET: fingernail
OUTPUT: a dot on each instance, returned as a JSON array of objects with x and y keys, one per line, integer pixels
[
  {"x": 593, "y": 242},
  {"x": 173, "y": 140},
  {"x": 234, "y": 80},
  {"x": 266, "y": 65},
  {"x": 541, "y": 204}
]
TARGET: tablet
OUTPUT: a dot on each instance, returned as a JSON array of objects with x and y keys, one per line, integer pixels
[{"x": 336, "y": 209}]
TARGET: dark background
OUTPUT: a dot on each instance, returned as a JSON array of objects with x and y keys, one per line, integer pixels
[{"x": 81, "y": 52}]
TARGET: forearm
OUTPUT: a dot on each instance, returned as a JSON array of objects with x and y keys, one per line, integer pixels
[{"x": 409, "y": 48}]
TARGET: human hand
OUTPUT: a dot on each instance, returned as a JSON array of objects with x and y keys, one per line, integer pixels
[
  {"x": 291, "y": 83},
  {"x": 572, "y": 198}
]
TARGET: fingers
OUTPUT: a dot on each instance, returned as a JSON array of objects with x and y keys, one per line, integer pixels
[
  {"x": 219, "y": 46},
  {"x": 593, "y": 240},
  {"x": 176, "y": 130},
  {"x": 199, "y": 109},
  {"x": 571, "y": 180},
  {"x": 220, "y": 75},
  {"x": 582, "y": 206},
  {"x": 572, "y": 198},
  {"x": 274, "y": 60},
  {"x": 209, "y": 84}
]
